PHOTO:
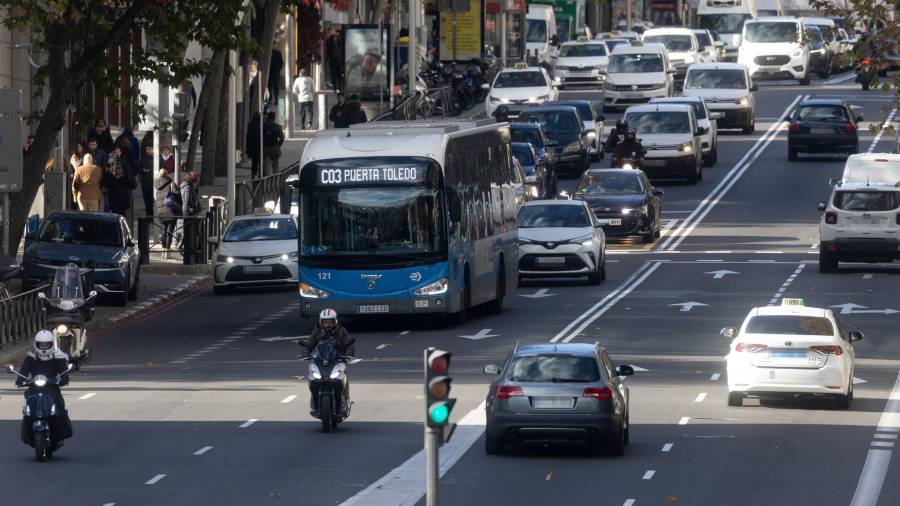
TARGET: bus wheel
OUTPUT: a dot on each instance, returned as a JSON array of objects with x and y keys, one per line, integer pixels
[
  {"x": 496, "y": 306},
  {"x": 460, "y": 317}
]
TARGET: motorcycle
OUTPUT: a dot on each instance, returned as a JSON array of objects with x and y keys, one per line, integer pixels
[
  {"x": 40, "y": 408},
  {"x": 865, "y": 73},
  {"x": 327, "y": 377},
  {"x": 67, "y": 312},
  {"x": 632, "y": 161}
]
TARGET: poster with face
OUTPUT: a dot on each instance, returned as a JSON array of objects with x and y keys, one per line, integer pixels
[{"x": 366, "y": 61}]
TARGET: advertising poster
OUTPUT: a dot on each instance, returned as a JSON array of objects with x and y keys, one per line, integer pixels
[
  {"x": 468, "y": 34},
  {"x": 619, "y": 10},
  {"x": 366, "y": 61}
]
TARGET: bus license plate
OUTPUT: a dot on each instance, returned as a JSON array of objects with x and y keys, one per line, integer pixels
[
  {"x": 551, "y": 260},
  {"x": 381, "y": 308}
]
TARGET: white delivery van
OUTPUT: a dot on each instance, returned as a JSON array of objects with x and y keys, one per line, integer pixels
[
  {"x": 872, "y": 168},
  {"x": 540, "y": 34},
  {"x": 775, "y": 48},
  {"x": 726, "y": 17},
  {"x": 769, "y": 8}
]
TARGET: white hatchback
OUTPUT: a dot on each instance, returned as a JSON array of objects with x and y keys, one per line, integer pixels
[{"x": 791, "y": 350}]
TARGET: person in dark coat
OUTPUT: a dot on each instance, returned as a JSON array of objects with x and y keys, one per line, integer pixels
[
  {"x": 334, "y": 53},
  {"x": 118, "y": 179},
  {"x": 252, "y": 145},
  {"x": 145, "y": 172},
  {"x": 273, "y": 138},
  {"x": 46, "y": 359},
  {"x": 190, "y": 195},
  {"x": 134, "y": 147},
  {"x": 336, "y": 115},
  {"x": 101, "y": 133},
  {"x": 166, "y": 214},
  {"x": 276, "y": 63},
  {"x": 353, "y": 113}
]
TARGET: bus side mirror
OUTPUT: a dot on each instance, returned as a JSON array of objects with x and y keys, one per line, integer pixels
[{"x": 455, "y": 207}]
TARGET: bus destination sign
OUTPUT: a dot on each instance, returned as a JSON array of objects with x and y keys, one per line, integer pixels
[{"x": 332, "y": 176}]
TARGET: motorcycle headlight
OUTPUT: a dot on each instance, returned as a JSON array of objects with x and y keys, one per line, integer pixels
[
  {"x": 627, "y": 166},
  {"x": 40, "y": 381},
  {"x": 312, "y": 292},
  {"x": 743, "y": 100},
  {"x": 687, "y": 147},
  {"x": 436, "y": 288},
  {"x": 338, "y": 371},
  {"x": 592, "y": 134},
  {"x": 62, "y": 329},
  {"x": 534, "y": 191},
  {"x": 314, "y": 372},
  {"x": 573, "y": 147}
]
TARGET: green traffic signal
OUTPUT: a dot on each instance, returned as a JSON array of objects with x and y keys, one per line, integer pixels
[{"x": 439, "y": 413}]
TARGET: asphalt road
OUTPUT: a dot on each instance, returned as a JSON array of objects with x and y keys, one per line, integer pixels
[{"x": 201, "y": 403}]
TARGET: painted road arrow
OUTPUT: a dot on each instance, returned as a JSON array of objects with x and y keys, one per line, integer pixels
[
  {"x": 857, "y": 381},
  {"x": 540, "y": 294},
  {"x": 482, "y": 334},
  {"x": 851, "y": 308},
  {"x": 721, "y": 274},
  {"x": 281, "y": 338},
  {"x": 687, "y": 306}
]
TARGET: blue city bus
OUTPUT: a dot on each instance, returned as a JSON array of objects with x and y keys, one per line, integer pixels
[{"x": 408, "y": 218}]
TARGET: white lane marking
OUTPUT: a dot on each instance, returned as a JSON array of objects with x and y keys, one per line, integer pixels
[
  {"x": 885, "y": 436},
  {"x": 841, "y": 78},
  {"x": 612, "y": 303},
  {"x": 715, "y": 377},
  {"x": 710, "y": 261},
  {"x": 648, "y": 475},
  {"x": 877, "y": 138},
  {"x": 628, "y": 502},
  {"x": 730, "y": 179},
  {"x": 404, "y": 333},
  {"x": 868, "y": 276},
  {"x": 684, "y": 420},
  {"x": 87, "y": 396},
  {"x": 288, "y": 399},
  {"x": 667, "y": 447},
  {"x": 877, "y": 461},
  {"x": 203, "y": 450},
  {"x": 381, "y": 346},
  {"x": 403, "y": 485},
  {"x": 775, "y": 298},
  {"x": 248, "y": 423},
  {"x": 639, "y": 369},
  {"x": 700, "y": 397},
  {"x": 858, "y": 381},
  {"x": 155, "y": 479},
  {"x": 110, "y": 504},
  {"x": 882, "y": 444}
]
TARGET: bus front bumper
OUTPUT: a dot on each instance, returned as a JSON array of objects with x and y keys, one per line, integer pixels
[{"x": 434, "y": 304}]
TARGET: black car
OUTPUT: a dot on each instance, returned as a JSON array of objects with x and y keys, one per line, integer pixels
[
  {"x": 533, "y": 133},
  {"x": 562, "y": 124},
  {"x": 823, "y": 126},
  {"x": 87, "y": 239},
  {"x": 624, "y": 202},
  {"x": 562, "y": 391},
  {"x": 537, "y": 183}
]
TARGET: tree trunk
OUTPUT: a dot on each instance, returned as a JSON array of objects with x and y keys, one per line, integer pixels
[
  {"x": 199, "y": 121},
  {"x": 210, "y": 125},
  {"x": 267, "y": 40},
  {"x": 380, "y": 12},
  {"x": 222, "y": 126}
]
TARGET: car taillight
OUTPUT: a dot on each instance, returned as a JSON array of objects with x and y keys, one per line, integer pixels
[
  {"x": 601, "y": 394},
  {"x": 507, "y": 392},
  {"x": 849, "y": 128},
  {"x": 897, "y": 219},
  {"x": 831, "y": 218},
  {"x": 828, "y": 349},
  {"x": 794, "y": 127},
  {"x": 749, "y": 347}
]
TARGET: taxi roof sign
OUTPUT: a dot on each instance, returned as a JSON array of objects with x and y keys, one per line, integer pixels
[
  {"x": 520, "y": 66},
  {"x": 792, "y": 302},
  {"x": 581, "y": 39}
]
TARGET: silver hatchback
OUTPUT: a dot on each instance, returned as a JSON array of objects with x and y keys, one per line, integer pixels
[{"x": 558, "y": 392}]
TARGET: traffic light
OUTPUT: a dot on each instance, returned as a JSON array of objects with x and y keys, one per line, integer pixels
[{"x": 438, "y": 403}]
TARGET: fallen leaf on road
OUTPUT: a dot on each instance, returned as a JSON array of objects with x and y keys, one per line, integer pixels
[
  {"x": 549, "y": 476},
  {"x": 672, "y": 498},
  {"x": 151, "y": 364}
]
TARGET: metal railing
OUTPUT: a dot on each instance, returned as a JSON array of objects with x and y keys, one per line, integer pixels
[
  {"x": 251, "y": 194},
  {"x": 420, "y": 105},
  {"x": 21, "y": 316},
  {"x": 189, "y": 238}
]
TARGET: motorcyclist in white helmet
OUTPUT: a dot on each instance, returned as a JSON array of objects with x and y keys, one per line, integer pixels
[
  {"x": 329, "y": 328},
  {"x": 46, "y": 359}
]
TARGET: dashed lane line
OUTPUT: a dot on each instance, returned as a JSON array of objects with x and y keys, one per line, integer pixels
[
  {"x": 87, "y": 396},
  {"x": 648, "y": 474},
  {"x": 877, "y": 138},
  {"x": 667, "y": 448},
  {"x": 715, "y": 377},
  {"x": 248, "y": 423},
  {"x": 787, "y": 283},
  {"x": 684, "y": 420},
  {"x": 878, "y": 459},
  {"x": 203, "y": 450},
  {"x": 288, "y": 399},
  {"x": 700, "y": 397}
]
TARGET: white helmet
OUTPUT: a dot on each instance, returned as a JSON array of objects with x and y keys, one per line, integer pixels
[
  {"x": 44, "y": 343},
  {"x": 328, "y": 314}
]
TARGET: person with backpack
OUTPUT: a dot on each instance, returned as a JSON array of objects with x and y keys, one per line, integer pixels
[
  {"x": 273, "y": 138},
  {"x": 168, "y": 207}
]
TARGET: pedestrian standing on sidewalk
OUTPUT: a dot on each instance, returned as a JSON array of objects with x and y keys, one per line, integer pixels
[
  {"x": 146, "y": 175},
  {"x": 304, "y": 90},
  {"x": 101, "y": 133},
  {"x": 87, "y": 185},
  {"x": 334, "y": 53},
  {"x": 134, "y": 147},
  {"x": 168, "y": 207},
  {"x": 252, "y": 145},
  {"x": 119, "y": 180},
  {"x": 190, "y": 198},
  {"x": 98, "y": 154},
  {"x": 353, "y": 112},
  {"x": 167, "y": 160},
  {"x": 27, "y": 148},
  {"x": 276, "y": 63},
  {"x": 337, "y": 112},
  {"x": 77, "y": 157},
  {"x": 273, "y": 138}
]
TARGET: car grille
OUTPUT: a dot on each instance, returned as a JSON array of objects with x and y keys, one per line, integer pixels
[
  {"x": 661, "y": 147},
  {"x": 632, "y": 100},
  {"x": 257, "y": 259},
  {"x": 778, "y": 59},
  {"x": 529, "y": 263},
  {"x": 628, "y": 226},
  {"x": 279, "y": 272},
  {"x": 635, "y": 87}
]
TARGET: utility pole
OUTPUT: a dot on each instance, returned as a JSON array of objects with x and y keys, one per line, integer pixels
[
  {"x": 628, "y": 14},
  {"x": 289, "y": 58}
]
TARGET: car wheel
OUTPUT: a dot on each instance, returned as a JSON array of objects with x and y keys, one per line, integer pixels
[
  {"x": 596, "y": 277},
  {"x": 133, "y": 292},
  {"x": 121, "y": 299},
  {"x": 792, "y": 153},
  {"x": 493, "y": 445},
  {"x": 804, "y": 81},
  {"x": 627, "y": 428},
  {"x": 827, "y": 263},
  {"x": 749, "y": 129},
  {"x": 596, "y": 157},
  {"x": 649, "y": 236},
  {"x": 496, "y": 306},
  {"x": 844, "y": 401},
  {"x": 691, "y": 177},
  {"x": 617, "y": 443},
  {"x": 700, "y": 168},
  {"x": 735, "y": 399}
]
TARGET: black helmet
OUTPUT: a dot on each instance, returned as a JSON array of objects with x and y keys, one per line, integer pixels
[
  {"x": 630, "y": 134},
  {"x": 622, "y": 126},
  {"x": 501, "y": 111}
]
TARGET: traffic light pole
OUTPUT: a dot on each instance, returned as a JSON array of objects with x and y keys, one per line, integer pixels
[{"x": 432, "y": 472}]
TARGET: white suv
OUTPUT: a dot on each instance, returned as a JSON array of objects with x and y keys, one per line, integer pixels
[
  {"x": 861, "y": 223},
  {"x": 682, "y": 45},
  {"x": 775, "y": 48},
  {"x": 638, "y": 72}
]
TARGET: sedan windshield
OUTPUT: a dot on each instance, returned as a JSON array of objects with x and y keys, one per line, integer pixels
[
  {"x": 567, "y": 216},
  {"x": 674, "y": 43},
  {"x": 556, "y": 368},
  {"x": 81, "y": 231},
  {"x": 553, "y": 121},
  {"x": 636, "y": 63},
  {"x": 824, "y": 113},
  {"x": 771, "y": 32},
  {"x": 582, "y": 50},
  {"x": 659, "y": 122},
  {"x": 716, "y": 79},
  {"x": 866, "y": 201},
  {"x": 261, "y": 229},
  {"x": 790, "y": 325},
  {"x": 520, "y": 80},
  {"x": 610, "y": 183}
]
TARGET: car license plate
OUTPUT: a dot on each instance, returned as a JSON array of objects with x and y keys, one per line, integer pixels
[
  {"x": 787, "y": 354},
  {"x": 381, "y": 308},
  {"x": 610, "y": 221},
  {"x": 770, "y": 70},
  {"x": 553, "y": 402},
  {"x": 653, "y": 163},
  {"x": 826, "y": 131},
  {"x": 257, "y": 269},
  {"x": 551, "y": 260},
  {"x": 634, "y": 95}
]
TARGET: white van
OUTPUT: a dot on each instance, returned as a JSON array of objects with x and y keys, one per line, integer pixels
[
  {"x": 638, "y": 72},
  {"x": 726, "y": 88},
  {"x": 726, "y": 17},
  {"x": 540, "y": 35},
  {"x": 872, "y": 168},
  {"x": 682, "y": 45},
  {"x": 775, "y": 48}
]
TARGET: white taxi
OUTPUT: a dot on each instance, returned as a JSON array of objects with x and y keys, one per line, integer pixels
[
  {"x": 791, "y": 350},
  {"x": 581, "y": 62},
  {"x": 259, "y": 249},
  {"x": 520, "y": 87}
]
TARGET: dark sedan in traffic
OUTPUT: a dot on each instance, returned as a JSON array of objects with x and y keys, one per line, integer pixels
[
  {"x": 823, "y": 126},
  {"x": 101, "y": 241},
  {"x": 562, "y": 124},
  {"x": 624, "y": 202}
]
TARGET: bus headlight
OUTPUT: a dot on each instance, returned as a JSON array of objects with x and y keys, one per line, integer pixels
[
  {"x": 436, "y": 288},
  {"x": 311, "y": 292}
]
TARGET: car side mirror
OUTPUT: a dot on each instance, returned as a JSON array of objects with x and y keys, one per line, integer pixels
[
  {"x": 658, "y": 192},
  {"x": 729, "y": 332},
  {"x": 671, "y": 69},
  {"x": 754, "y": 87},
  {"x": 701, "y": 131},
  {"x": 42, "y": 296},
  {"x": 92, "y": 295},
  {"x": 855, "y": 335},
  {"x": 821, "y": 206},
  {"x": 213, "y": 240},
  {"x": 859, "y": 118},
  {"x": 719, "y": 43},
  {"x": 485, "y": 86},
  {"x": 492, "y": 369},
  {"x": 625, "y": 370},
  {"x": 455, "y": 207}
]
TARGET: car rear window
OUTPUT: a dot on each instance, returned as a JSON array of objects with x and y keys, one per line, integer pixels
[
  {"x": 529, "y": 135},
  {"x": 822, "y": 113},
  {"x": 554, "y": 368},
  {"x": 866, "y": 201},
  {"x": 790, "y": 325},
  {"x": 553, "y": 215},
  {"x": 553, "y": 121}
]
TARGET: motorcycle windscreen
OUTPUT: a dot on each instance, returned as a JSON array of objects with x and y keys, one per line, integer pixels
[{"x": 67, "y": 285}]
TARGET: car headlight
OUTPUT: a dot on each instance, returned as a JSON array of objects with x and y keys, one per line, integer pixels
[
  {"x": 573, "y": 147},
  {"x": 602, "y": 68},
  {"x": 338, "y": 371},
  {"x": 635, "y": 210},
  {"x": 797, "y": 53},
  {"x": 686, "y": 147},
  {"x": 311, "y": 292},
  {"x": 524, "y": 241},
  {"x": 586, "y": 241},
  {"x": 495, "y": 100},
  {"x": 541, "y": 98},
  {"x": 689, "y": 59},
  {"x": 659, "y": 86},
  {"x": 562, "y": 68},
  {"x": 314, "y": 372},
  {"x": 436, "y": 288},
  {"x": 289, "y": 256},
  {"x": 62, "y": 329},
  {"x": 743, "y": 100},
  {"x": 534, "y": 191}
]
